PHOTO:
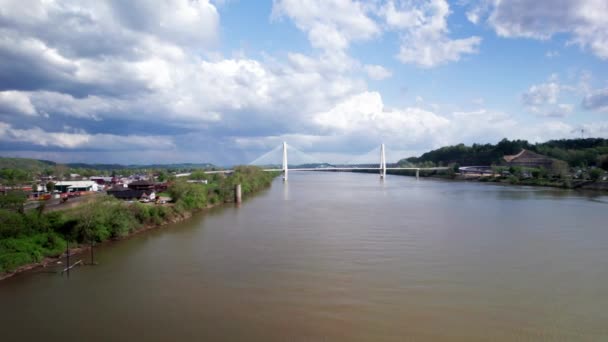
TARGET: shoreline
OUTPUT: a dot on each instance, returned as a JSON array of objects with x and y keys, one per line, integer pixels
[
  {"x": 586, "y": 185},
  {"x": 48, "y": 261}
]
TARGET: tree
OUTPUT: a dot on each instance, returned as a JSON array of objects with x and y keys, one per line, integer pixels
[
  {"x": 60, "y": 171},
  {"x": 50, "y": 186},
  {"x": 595, "y": 174},
  {"x": 162, "y": 176},
  {"x": 14, "y": 176},
  {"x": 13, "y": 200},
  {"x": 602, "y": 161},
  {"x": 198, "y": 175}
]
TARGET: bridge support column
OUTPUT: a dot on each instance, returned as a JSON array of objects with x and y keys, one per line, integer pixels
[
  {"x": 285, "y": 167},
  {"x": 238, "y": 197},
  {"x": 382, "y": 162},
  {"x": 417, "y": 173}
]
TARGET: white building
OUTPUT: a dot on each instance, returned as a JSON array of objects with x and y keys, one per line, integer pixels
[{"x": 73, "y": 186}]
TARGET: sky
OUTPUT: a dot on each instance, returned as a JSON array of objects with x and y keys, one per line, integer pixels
[{"x": 171, "y": 81}]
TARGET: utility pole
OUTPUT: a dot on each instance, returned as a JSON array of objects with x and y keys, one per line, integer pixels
[
  {"x": 67, "y": 247},
  {"x": 92, "y": 254}
]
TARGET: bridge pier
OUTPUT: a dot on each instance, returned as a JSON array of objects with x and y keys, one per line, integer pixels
[
  {"x": 238, "y": 197},
  {"x": 417, "y": 174}
]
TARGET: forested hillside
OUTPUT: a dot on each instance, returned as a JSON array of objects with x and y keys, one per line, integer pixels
[{"x": 576, "y": 152}]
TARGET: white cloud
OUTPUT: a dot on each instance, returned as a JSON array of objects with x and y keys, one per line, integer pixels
[
  {"x": 541, "y": 94},
  {"x": 586, "y": 21},
  {"x": 557, "y": 111},
  {"x": 12, "y": 102},
  {"x": 542, "y": 99},
  {"x": 597, "y": 100},
  {"x": 377, "y": 72},
  {"x": 365, "y": 114},
  {"x": 81, "y": 140},
  {"x": 424, "y": 32},
  {"x": 330, "y": 24}
]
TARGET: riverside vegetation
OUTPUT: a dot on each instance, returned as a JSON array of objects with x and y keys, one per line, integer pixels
[{"x": 28, "y": 237}]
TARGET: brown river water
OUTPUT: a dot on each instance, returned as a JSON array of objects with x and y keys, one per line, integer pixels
[{"x": 341, "y": 257}]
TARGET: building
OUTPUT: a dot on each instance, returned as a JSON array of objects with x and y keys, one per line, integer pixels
[
  {"x": 101, "y": 180},
  {"x": 527, "y": 158},
  {"x": 141, "y": 185},
  {"x": 130, "y": 194},
  {"x": 76, "y": 186}
]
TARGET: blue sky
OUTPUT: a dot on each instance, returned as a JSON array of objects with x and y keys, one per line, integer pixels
[{"x": 162, "y": 81}]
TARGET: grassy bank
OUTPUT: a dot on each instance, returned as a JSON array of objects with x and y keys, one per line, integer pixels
[{"x": 29, "y": 237}]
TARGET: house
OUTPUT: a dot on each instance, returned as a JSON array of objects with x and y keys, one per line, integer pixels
[
  {"x": 141, "y": 185},
  {"x": 129, "y": 194},
  {"x": 134, "y": 195},
  {"x": 101, "y": 180},
  {"x": 527, "y": 158},
  {"x": 76, "y": 186}
]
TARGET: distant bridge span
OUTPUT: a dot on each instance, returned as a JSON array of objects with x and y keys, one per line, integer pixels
[{"x": 381, "y": 168}]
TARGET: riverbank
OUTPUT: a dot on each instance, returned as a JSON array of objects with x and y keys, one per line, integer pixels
[
  {"x": 510, "y": 180},
  {"x": 33, "y": 238},
  {"x": 562, "y": 184},
  {"x": 82, "y": 249}
]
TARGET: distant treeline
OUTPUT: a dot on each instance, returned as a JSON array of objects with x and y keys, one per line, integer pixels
[
  {"x": 24, "y": 170},
  {"x": 576, "y": 152},
  {"x": 29, "y": 236}
]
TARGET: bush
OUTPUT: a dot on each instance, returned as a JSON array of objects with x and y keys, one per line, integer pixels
[
  {"x": 19, "y": 251},
  {"x": 11, "y": 224},
  {"x": 513, "y": 179},
  {"x": 595, "y": 174}
]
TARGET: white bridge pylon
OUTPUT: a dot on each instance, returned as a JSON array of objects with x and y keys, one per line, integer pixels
[
  {"x": 285, "y": 165},
  {"x": 268, "y": 160}
]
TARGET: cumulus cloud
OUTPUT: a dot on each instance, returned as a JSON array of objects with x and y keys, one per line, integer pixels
[
  {"x": 82, "y": 140},
  {"x": 597, "y": 100},
  {"x": 377, "y": 72},
  {"x": 424, "y": 33},
  {"x": 541, "y": 94},
  {"x": 584, "y": 20},
  {"x": 542, "y": 99},
  {"x": 14, "y": 102},
  {"x": 147, "y": 69},
  {"x": 330, "y": 24},
  {"x": 365, "y": 114}
]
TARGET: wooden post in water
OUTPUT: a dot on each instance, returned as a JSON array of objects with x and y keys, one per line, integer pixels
[
  {"x": 237, "y": 193},
  {"x": 92, "y": 254}
]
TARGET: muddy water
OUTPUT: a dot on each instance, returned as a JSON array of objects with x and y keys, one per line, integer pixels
[{"x": 341, "y": 257}]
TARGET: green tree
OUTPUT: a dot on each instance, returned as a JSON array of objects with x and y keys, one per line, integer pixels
[
  {"x": 602, "y": 161},
  {"x": 162, "y": 176},
  {"x": 198, "y": 175},
  {"x": 14, "y": 176},
  {"x": 595, "y": 174},
  {"x": 13, "y": 200}
]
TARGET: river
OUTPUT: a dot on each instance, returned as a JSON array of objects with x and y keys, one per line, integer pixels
[{"x": 341, "y": 257}]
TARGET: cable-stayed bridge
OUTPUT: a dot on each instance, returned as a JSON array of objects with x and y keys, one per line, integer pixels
[{"x": 279, "y": 158}]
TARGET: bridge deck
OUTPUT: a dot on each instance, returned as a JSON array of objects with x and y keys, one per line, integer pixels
[{"x": 342, "y": 169}]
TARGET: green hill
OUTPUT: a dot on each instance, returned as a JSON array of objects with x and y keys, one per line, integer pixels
[
  {"x": 25, "y": 163},
  {"x": 35, "y": 165},
  {"x": 576, "y": 152}
]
